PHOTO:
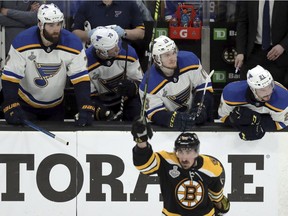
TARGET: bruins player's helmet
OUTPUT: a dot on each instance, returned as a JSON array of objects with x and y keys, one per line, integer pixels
[{"x": 187, "y": 140}]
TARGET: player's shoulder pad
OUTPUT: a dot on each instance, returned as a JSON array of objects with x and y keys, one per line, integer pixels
[
  {"x": 70, "y": 42},
  {"x": 131, "y": 55},
  {"x": 28, "y": 38},
  {"x": 279, "y": 98},
  {"x": 169, "y": 157},
  {"x": 156, "y": 80},
  {"x": 187, "y": 61},
  {"x": 234, "y": 93},
  {"x": 211, "y": 166}
]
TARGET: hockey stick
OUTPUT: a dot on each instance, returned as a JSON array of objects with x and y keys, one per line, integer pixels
[
  {"x": 200, "y": 107},
  {"x": 120, "y": 112},
  {"x": 37, "y": 128},
  {"x": 144, "y": 100}
]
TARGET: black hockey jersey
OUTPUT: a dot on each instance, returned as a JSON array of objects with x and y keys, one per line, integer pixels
[{"x": 185, "y": 192}]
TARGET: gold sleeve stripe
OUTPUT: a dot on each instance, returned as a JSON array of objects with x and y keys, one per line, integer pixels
[
  {"x": 215, "y": 197},
  {"x": 128, "y": 57},
  {"x": 155, "y": 111},
  {"x": 278, "y": 126},
  {"x": 159, "y": 86},
  {"x": 223, "y": 119},
  {"x": 68, "y": 49},
  {"x": 30, "y": 46},
  {"x": 11, "y": 79},
  {"x": 190, "y": 67},
  {"x": 140, "y": 27},
  {"x": 151, "y": 159},
  {"x": 234, "y": 103},
  {"x": 93, "y": 66},
  {"x": 85, "y": 78}
]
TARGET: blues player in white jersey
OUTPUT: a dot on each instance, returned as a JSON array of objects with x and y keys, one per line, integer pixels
[
  {"x": 254, "y": 105},
  {"x": 36, "y": 68},
  {"x": 175, "y": 87},
  {"x": 115, "y": 72}
]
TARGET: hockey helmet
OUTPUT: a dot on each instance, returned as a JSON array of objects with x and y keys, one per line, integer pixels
[
  {"x": 49, "y": 13},
  {"x": 104, "y": 39},
  {"x": 187, "y": 140},
  {"x": 258, "y": 78},
  {"x": 161, "y": 45}
]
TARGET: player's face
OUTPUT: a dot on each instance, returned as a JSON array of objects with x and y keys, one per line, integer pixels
[
  {"x": 114, "y": 51},
  {"x": 51, "y": 31},
  {"x": 186, "y": 157},
  {"x": 264, "y": 94},
  {"x": 169, "y": 59}
]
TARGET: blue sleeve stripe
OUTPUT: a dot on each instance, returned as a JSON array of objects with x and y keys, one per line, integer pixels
[
  {"x": 75, "y": 76},
  {"x": 12, "y": 74}
]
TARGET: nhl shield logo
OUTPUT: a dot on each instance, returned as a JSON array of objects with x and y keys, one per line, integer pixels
[{"x": 32, "y": 56}]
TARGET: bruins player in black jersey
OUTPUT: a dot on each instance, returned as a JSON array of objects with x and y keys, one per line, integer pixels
[{"x": 190, "y": 183}]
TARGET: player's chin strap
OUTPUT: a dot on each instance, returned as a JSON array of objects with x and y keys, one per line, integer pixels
[{"x": 201, "y": 104}]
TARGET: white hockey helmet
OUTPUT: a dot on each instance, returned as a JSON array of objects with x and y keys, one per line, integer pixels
[
  {"x": 161, "y": 45},
  {"x": 49, "y": 13},
  {"x": 258, "y": 78},
  {"x": 104, "y": 39}
]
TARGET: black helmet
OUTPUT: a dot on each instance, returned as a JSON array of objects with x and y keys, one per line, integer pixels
[{"x": 187, "y": 140}]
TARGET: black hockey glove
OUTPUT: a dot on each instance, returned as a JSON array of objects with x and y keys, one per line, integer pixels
[
  {"x": 182, "y": 121},
  {"x": 85, "y": 116},
  {"x": 200, "y": 115},
  {"x": 244, "y": 116},
  {"x": 103, "y": 114},
  {"x": 225, "y": 207},
  {"x": 13, "y": 113},
  {"x": 141, "y": 131},
  {"x": 251, "y": 132},
  {"x": 127, "y": 88}
]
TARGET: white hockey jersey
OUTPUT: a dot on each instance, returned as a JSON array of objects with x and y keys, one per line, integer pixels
[
  {"x": 175, "y": 93},
  {"x": 41, "y": 71},
  {"x": 105, "y": 74},
  {"x": 234, "y": 94}
]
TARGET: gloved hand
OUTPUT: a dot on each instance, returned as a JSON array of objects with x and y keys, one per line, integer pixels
[
  {"x": 224, "y": 205},
  {"x": 251, "y": 132},
  {"x": 85, "y": 116},
  {"x": 120, "y": 31},
  {"x": 127, "y": 88},
  {"x": 141, "y": 131},
  {"x": 182, "y": 121},
  {"x": 103, "y": 114},
  {"x": 13, "y": 113},
  {"x": 200, "y": 117},
  {"x": 244, "y": 116}
]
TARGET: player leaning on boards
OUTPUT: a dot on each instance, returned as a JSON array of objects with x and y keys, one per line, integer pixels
[
  {"x": 173, "y": 79},
  {"x": 36, "y": 68},
  {"x": 254, "y": 105},
  {"x": 191, "y": 184},
  {"x": 115, "y": 72}
]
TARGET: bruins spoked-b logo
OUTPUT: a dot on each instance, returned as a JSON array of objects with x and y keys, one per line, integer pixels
[
  {"x": 189, "y": 193},
  {"x": 45, "y": 71}
]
